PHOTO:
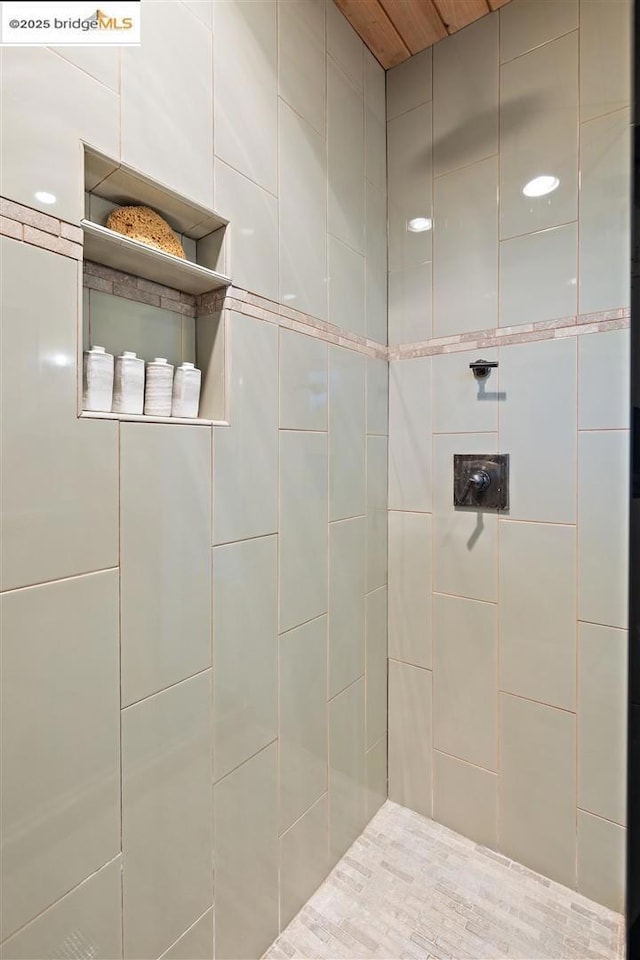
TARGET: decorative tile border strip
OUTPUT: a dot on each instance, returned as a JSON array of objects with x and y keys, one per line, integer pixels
[
  {"x": 39, "y": 229},
  {"x": 120, "y": 284}
]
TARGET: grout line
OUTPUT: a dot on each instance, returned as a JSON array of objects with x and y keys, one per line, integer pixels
[
  {"x": 190, "y": 927},
  {"x": 477, "y": 766},
  {"x": 246, "y": 760},
  {"x": 171, "y": 686},
  {"x": 46, "y": 583},
  {"x": 541, "y": 703}
]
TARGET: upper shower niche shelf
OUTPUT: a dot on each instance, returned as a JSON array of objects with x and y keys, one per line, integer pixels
[{"x": 109, "y": 185}]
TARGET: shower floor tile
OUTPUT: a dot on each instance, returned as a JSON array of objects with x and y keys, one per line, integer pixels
[{"x": 410, "y": 888}]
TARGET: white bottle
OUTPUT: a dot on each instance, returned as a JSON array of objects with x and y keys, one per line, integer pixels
[
  {"x": 186, "y": 391},
  {"x": 97, "y": 386},
  {"x": 158, "y": 388},
  {"x": 128, "y": 383}
]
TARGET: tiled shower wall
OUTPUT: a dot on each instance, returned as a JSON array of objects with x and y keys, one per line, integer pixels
[
  {"x": 507, "y": 639},
  {"x": 194, "y": 619}
]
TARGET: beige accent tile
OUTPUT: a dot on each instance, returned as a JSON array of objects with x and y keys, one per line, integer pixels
[
  {"x": 409, "y": 171},
  {"x": 410, "y": 435},
  {"x": 465, "y": 671},
  {"x": 527, "y": 24},
  {"x": 303, "y": 382},
  {"x": 376, "y": 777},
  {"x": 347, "y": 429},
  {"x": 301, "y": 60},
  {"x": 605, "y": 56},
  {"x": 56, "y": 244},
  {"x": 251, "y": 239},
  {"x": 465, "y": 261},
  {"x": 465, "y": 542},
  {"x": 304, "y": 860},
  {"x": 409, "y": 84},
  {"x": 375, "y": 266},
  {"x": 465, "y": 798},
  {"x": 302, "y": 719},
  {"x": 196, "y": 943},
  {"x": 605, "y": 157},
  {"x": 540, "y": 437},
  {"x": 346, "y": 287},
  {"x": 603, "y": 381},
  {"x": 245, "y": 687},
  {"x": 119, "y": 323},
  {"x": 539, "y": 276},
  {"x": 410, "y": 737},
  {"x": 376, "y": 666},
  {"x": 465, "y": 115},
  {"x": 152, "y": 100},
  {"x": 347, "y": 769},
  {"x": 246, "y": 114},
  {"x": 60, "y": 780},
  {"x": 347, "y": 587},
  {"x": 410, "y": 304},
  {"x": 537, "y": 787},
  {"x": 410, "y": 588},
  {"x": 164, "y": 553},
  {"x": 377, "y": 397},
  {"x": 535, "y": 142},
  {"x": 602, "y": 721},
  {"x": 303, "y": 540},
  {"x": 89, "y": 919},
  {"x": 601, "y": 861},
  {"x": 462, "y": 404},
  {"x": 377, "y": 471},
  {"x": 245, "y": 466},
  {"x": 166, "y": 815},
  {"x": 603, "y": 527},
  {"x": 245, "y": 816},
  {"x": 344, "y": 46},
  {"x": 345, "y": 158},
  {"x": 59, "y": 475},
  {"x": 538, "y": 611},
  {"x": 302, "y": 211}
]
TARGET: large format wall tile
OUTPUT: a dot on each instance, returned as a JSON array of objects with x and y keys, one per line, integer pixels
[
  {"x": 538, "y": 276},
  {"x": 410, "y": 736},
  {"x": 88, "y": 919},
  {"x": 603, "y": 381},
  {"x": 59, "y": 728},
  {"x": 251, "y": 239},
  {"x": 377, "y": 396},
  {"x": 454, "y": 783},
  {"x": 537, "y": 787},
  {"x": 409, "y": 186},
  {"x": 605, "y": 56},
  {"x": 246, "y": 650},
  {"x": 303, "y": 540},
  {"x": 605, "y": 156},
  {"x": 166, "y": 815},
  {"x": 303, "y": 382},
  {"x": 376, "y": 777},
  {"x": 602, "y": 721},
  {"x": 304, "y": 861},
  {"x": 410, "y": 587},
  {"x": 346, "y": 287},
  {"x": 302, "y": 212},
  {"x": 410, "y": 303},
  {"x": 347, "y": 769},
  {"x": 196, "y": 943},
  {"x": 538, "y": 611},
  {"x": 538, "y": 428},
  {"x": 347, "y": 587},
  {"x": 246, "y": 114},
  {"x": 347, "y": 429},
  {"x": 301, "y": 59},
  {"x": 117, "y": 323},
  {"x": 409, "y": 84},
  {"x": 245, "y": 815},
  {"x": 410, "y": 434},
  {"x": 465, "y": 256},
  {"x": 603, "y": 526},
  {"x": 59, "y": 475},
  {"x": 465, "y": 542},
  {"x": 528, "y": 24},
  {"x": 376, "y": 666},
  {"x": 100, "y": 62},
  {"x": 538, "y": 136},
  {"x": 465, "y": 679},
  {"x": 377, "y": 472},
  {"x": 465, "y": 102},
  {"x": 159, "y": 113},
  {"x": 245, "y": 465},
  {"x": 345, "y": 158},
  {"x": 462, "y": 404},
  {"x": 303, "y": 719},
  {"x": 601, "y": 861},
  {"x": 165, "y": 555},
  {"x": 375, "y": 127},
  {"x": 344, "y": 46},
  {"x": 375, "y": 264}
]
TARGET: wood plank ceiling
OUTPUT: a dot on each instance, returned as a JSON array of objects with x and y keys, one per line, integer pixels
[{"x": 396, "y": 29}]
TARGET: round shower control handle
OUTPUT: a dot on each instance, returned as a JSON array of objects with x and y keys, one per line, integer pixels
[{"x": 479, "y": 479}]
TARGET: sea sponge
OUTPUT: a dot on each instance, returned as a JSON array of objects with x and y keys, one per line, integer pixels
[{"x": 147, "y": 226}]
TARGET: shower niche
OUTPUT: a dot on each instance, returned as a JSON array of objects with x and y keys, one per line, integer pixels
[{"x": 141, "y": 299}]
